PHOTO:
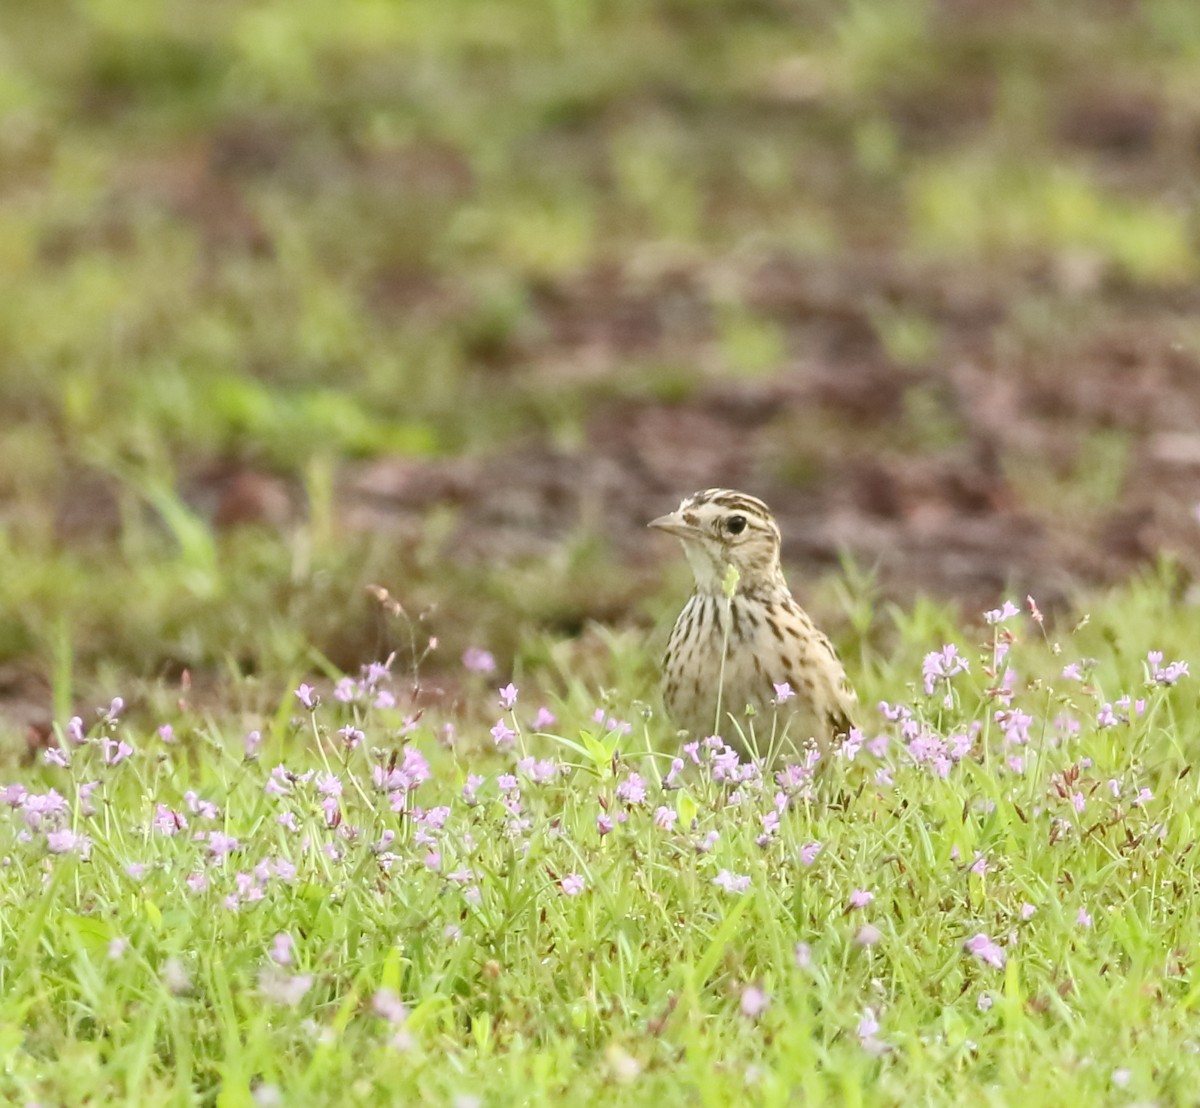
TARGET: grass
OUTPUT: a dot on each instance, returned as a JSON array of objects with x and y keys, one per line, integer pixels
[
  {"x": 327, "y": 919},
  {"x": 288, "y": 241}
]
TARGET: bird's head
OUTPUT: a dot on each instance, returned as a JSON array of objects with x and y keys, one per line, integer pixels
[{"x": 720, "y": 528}]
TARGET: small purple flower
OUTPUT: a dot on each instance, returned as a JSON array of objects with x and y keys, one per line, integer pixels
[
  {"x": 942, "y": 665},
  {"x": 14, "y": 795},
  {"x": 1027, "y": 911},
  {"x": 166, "y": 734},
  {"x": 732, "y": 882},
  {"x": 1083, "y": 918},
  {"x": 56, "y": 756},
  {"x": 75, "y": 731},
  {"x": 1165, "y": 675},
  {"x": 802, "y": 955},
  {"x": 388, "y": 1005},
  {"x": 544, "y": 719},
  {"x": 1073, "y": 672},
  {"x": 471, "y": 787},
  {"x": 167, "y": 822},
  {"x": 754, "y": 1002},
  {"x": 783, "y": 692},
  {"x": 196, "y": 882},
  {"x": 307, "y": 696},
  {"x": 572, "y": 884},
  {"x": 632, "y": 790},
  {"x": 508, "y": 697},
  {"x": 1002, "y": 614},
  {"x": 478, "y": 661},
  {"x": 66, "y": 841},
  {"x": 604, "y": 823},
  {"x": 980, "y": 866},
  {"x": 221, "y": 845},
  {"x": 984, "y": 1003},
  {"x": 116, "y": 751},
  {"x": 809, "y": 852},
  {"x": 860, "y": 898},
  {"x": 852, "y": 744},
  {"x": 987, "y": 950},
  {"x": 284, "y": 989},
  {"x": 117, "y": 948},
  {"x": 664, "y": 817},
  {"x": 503, "y": 734},
  {"x": 868, "y": 935},
  {"x": 251, "y": 744},
  {"x": 281, "y": 949}
]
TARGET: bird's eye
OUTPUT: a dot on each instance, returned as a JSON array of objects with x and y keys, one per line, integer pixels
[{"x": 735, "y": 525}]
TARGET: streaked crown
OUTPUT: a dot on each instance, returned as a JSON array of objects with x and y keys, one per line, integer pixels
[{"x": 722, "y": 527}]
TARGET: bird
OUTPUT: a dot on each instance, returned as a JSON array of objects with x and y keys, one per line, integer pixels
[{"x": 742, "y": 641}]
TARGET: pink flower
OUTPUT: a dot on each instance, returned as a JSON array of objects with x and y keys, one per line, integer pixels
[
  {"x": 478, "y": 661},
  {"x": 632, "y": 790},
  {"x": 389, "y": 1006},
  {"x": 503, "y": 734},
  {"x": 544, "y": 719},
  {"x": 221, "y": 845},
  {"x": 282, "y": 988},
  {"x": 75, "y": 731},
  {"x": 732, "y": 882},
  {"x": 860, "y": 898},
  {"x": 168, "y": 822},
  {"x": 572, "y": 884},
  {"x": 1083, "y": 918},
  {"x": 809, "y": 852},
  {"x": 664, "y": 817},
  {"x": 1002, "y": 614},
  {"x": 1027, "y": 911},
  {"x": 1165, "y": 675},
  {"x": 868, "y": 935},
  {"x": 196, "y": 882},
  {"x": 508, "y": 697},
  {"x": 802, "y": 955},
  {"x": 116, "y": 751},
  {"x": 251, "y": 743},
  {"x": 604, "y": 823},
  {"x": 942, "y": 665},
  {"x": 986, "y": 950},
  {"x": 307, "y": 696},
  {"x": 754, "y": 1002},
  {"x": 281, "y": 949},
  {"x": 783, "y": 692},
  {"x": 68, "y": 842},
  {"x": 167, "y": 733}
]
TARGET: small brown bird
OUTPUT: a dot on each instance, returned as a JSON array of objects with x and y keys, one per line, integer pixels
[{"x": 742, "y": 634}]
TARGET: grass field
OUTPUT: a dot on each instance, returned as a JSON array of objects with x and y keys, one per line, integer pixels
[
  {"x": 298, "y": 299},
  {"x": 987, "y": 894}
]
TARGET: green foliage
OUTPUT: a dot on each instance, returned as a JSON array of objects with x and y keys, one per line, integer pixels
[{"x": 557, "y": 957}]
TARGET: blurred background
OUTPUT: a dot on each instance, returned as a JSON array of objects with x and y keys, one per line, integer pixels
[{"x": 452, "y": 297}]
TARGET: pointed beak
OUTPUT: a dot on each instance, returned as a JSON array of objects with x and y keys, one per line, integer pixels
[{"x": 673, "y": 524}]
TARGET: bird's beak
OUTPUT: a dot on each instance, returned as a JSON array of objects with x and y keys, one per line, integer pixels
[{"x": 673, "y": 523}]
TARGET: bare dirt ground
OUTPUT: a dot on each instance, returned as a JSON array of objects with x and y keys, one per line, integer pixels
[{"x": 837, "y": 447}]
